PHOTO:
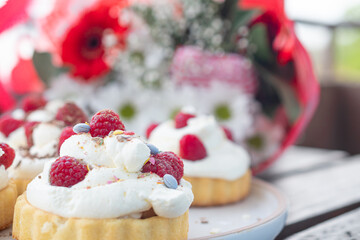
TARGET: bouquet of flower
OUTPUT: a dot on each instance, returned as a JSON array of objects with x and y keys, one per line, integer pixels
[{"x": 146, "y": 59}]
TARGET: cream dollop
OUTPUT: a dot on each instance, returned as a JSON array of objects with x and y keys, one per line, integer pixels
[
  {"x": 54, "y": 105},
  {"x": 4, "y": 180},
  {"x": 225, "y": 160},
  {"x": 25, "y": 167},
  {"x": 132, "y": 154},
  {"x": 40, "y": 116},
  {"x": 48, "y": 113},
  {"x": 17, "y": 138},
  {"x": 2, "y": 137},
  {"x": 45, "y": 138},
  {"x": 114, "y": 187},
  {"x": 29, "y": 163}
]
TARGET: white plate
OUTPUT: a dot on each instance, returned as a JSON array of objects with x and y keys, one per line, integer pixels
[{"x": 261, "y": 215}]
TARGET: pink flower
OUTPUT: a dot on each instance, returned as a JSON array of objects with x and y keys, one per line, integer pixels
[{"x": 194, "y": 66}]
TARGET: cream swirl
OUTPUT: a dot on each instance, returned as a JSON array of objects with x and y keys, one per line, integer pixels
[
  {"x": 29, "y": 163},
  {"x": 4, "y": 180},
  {"x": 17, "y": 138},
  {"x": 45, "y": 138},
  {"x": 48, "y": 113},
  {"x": 225, "y": 160},
  {"x": 114, "y": 187},
  {"x": 25, "y": 167}
]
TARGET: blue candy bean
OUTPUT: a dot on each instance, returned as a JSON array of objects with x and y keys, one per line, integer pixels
[
  {"x": 81, "y": 128},
  {"x": 170, "y": 181},
  {"x": 153, "y": 150}
]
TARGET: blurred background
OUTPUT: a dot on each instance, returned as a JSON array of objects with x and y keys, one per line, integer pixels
[{"x": 330, "y": 31}]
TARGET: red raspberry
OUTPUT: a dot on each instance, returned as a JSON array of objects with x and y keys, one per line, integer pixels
[
  {"x": 8, "y": 156},
  {"x": 191, "y": 148},
  {"x": 71, "y": 114},
  {"x": 228, "y": 133},
  {"x": 181, "y": 119},
  {"x": 150, "y": 128},
  {"x": 166, "y": 163},
  {"x": 9, "y": 124},
  {"x": 33, "y": 102},
  {"x": 65, "y": 134},
  {"x": 67, "y": 171},
  {"x": 105, "y": 121},
  {"x": 29, "y": 128}
]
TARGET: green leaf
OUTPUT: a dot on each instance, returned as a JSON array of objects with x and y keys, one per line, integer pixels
[
  {"x": 237, "y": 18},
  {"x": 263, "y": 49},
  {"x": 286, "y": 93},
  {"x": 264, "y": 54},
  {"x": 268, "y": 96},
  {"x": 44, "y": 67}
]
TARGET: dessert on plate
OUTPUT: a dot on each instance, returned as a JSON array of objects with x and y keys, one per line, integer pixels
[
  {"x": 8, "y": 192},
  {"x": 106, "y": 184},
  {"x": 34, "y": 131},
  {"x": 217, "y": 168}
]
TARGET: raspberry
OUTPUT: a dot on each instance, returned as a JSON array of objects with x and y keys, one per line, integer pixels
[
  {"x": 29, "y": 128},
  {"x": 8, "y": 156},
  {"x": 103, "y": 122},
  {"x": 191, "y": 148},
  {"x": 33, "y": 102},
  {"x": 228, "y": 133},
  {"x": 9, "y": 124},
  {"x": 181, "y": 119},
  {"x": 71, "y": 114},
  {"x": 65, "y": 134},
  {"x": 166, "y": 163},
  {"x": 150, "y": 128},
  {"x": 67, "y": 171}
]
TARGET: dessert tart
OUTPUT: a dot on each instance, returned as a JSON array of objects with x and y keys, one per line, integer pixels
[
  {"x": 106, "y": 184},
  {"x": 217, "y": 168},
  {"x": 34, "y": 131},
  {"x": 8, "y": 192}
]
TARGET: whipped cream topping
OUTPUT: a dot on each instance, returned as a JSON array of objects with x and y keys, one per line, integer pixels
[
  {"x": 3, "y": 174},
  {"x": 45, "y": 138},
  {"x": 17, "y": 139},
  {"x": 40, "y": 116},
  {"x": 18, "y": 114},
  {"x": 225, "y": 160},
  {"x": 54, "y": 105},
  {"x": 2, "y": 137},
  {"x": 114, "y": 187},
  {"x": 29, "y": 163},
  {"x": 48, "y": 113},
  {"x": 25, "y": 167}
]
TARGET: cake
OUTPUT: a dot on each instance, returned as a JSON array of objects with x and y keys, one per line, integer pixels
[
  {"x": 107, "y": 184},
  {"x": 34, "y": 131},
  {"x": 8, "y": 192},
  {"x": 217, "y": 168}
]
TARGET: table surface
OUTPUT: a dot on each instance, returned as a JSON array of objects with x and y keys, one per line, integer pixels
[{"x": 323, "y": 193}]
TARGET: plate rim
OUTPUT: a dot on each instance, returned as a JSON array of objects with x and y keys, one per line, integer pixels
[{"x": 278, "y": 211}]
